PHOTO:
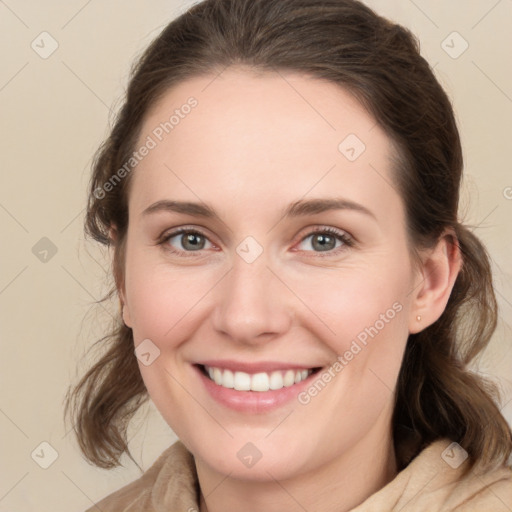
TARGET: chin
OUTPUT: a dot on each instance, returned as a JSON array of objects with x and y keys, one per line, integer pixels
[{"x": 259, "y": 460}]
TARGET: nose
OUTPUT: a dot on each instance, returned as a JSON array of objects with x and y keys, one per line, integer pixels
[{"x": 252, "y": 306}]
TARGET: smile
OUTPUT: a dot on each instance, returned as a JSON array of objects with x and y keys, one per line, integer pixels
[{"x": 260, "y": 382}]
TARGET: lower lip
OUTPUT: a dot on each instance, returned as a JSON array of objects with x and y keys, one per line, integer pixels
[{"x": 253, "y": 401}]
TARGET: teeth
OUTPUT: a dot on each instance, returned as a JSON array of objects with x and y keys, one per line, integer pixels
[
  {"x": 217, "y": 376},
  {"x": 276, "y": 380},
  {"x": 289, "y": 378},
  {"x": 260, "y": 382},
  {"x": 242, "y": 381},
  {"x": 228, "y": 379}
]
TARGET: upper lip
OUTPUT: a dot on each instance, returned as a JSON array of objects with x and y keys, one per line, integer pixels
[{"x": 263, "y": 366}]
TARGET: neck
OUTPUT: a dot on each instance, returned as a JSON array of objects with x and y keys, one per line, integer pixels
[{"x": 338, "y": 486}]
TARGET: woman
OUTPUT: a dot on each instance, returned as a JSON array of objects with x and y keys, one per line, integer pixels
[{"x": 298, "y": 297}]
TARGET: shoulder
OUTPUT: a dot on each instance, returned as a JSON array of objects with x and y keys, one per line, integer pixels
[
  {"x": 170, "y": 482},
  {"x": 434, "y": 481},
  {"x": 491, "y": 490}
]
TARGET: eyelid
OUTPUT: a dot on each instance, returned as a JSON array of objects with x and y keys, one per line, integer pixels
[
  {"x": 171, "y": 233},
  {"x": 347, "y": 240}
]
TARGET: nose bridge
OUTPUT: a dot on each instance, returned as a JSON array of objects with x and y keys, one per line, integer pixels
[{"x": 250, "y": 301}]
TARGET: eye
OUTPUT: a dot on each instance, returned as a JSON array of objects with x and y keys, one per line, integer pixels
[
  {"x": 186, "y": 240},
  {"x": 324, "y": 239}
]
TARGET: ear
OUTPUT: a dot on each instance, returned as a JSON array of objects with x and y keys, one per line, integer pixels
[
  {"x": 125, "y": 309},
  {"x": 125, "y": 313},
  {"x": 434, "y": 282}
]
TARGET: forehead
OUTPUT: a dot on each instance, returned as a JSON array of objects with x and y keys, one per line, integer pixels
[{"x": 249, "y": 137}]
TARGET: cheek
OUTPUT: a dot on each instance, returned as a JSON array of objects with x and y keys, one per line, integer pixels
[
  {"x": 161, "y": 298},
  {"x": 364, "y": 323},
  {"x": 355, "y": 303},
  {"x": 362, "y": 316}
]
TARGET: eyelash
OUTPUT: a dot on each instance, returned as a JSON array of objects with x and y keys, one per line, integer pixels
[{"x": 347, "y": 241}]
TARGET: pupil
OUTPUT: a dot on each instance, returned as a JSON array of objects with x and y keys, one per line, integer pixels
[
  {"x": 323, "y": 242},
  {"x": 191, "y": 241}
]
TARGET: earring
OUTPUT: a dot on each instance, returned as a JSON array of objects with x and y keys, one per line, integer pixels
[{"x": 418, "y": 318}]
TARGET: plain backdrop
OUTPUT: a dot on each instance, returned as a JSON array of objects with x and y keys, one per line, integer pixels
[{"x": 55, "y": 110}]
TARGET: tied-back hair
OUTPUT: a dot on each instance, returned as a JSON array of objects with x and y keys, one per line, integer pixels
[{"x": 379, "y": 63}]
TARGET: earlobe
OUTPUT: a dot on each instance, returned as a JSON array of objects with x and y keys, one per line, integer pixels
[
  {"x": 439, "y": 270},
  {"x": 125, "y": 312},
  {"x": 126, "y": 317}
]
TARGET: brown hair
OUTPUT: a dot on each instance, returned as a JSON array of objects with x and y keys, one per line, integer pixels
[{"x": 379, "y": 62}]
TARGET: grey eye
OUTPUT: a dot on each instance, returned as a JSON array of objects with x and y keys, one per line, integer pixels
[
  {"x": 188, "y": 241},
  {"x": 319, "y": 242}
]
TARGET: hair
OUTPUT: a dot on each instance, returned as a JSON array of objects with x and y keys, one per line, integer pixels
[{"x": 379, "y": 63}]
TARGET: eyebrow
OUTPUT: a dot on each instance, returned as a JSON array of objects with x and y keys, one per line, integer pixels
[
  {"x": 314, "y": 206},
  {"x": 187, "y": 207},
  {"x": 296, "y": 209}
]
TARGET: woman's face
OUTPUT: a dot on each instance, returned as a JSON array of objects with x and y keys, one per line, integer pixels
[{"x": 293, "y": 258}]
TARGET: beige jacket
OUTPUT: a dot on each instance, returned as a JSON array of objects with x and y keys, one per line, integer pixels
[{"x": 428, "y": 484}]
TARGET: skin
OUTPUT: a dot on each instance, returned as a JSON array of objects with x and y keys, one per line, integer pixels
[{"x": 255, "y": 143}]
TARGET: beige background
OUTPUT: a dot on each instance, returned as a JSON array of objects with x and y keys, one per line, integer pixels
[{"x": 55, "y": 112}]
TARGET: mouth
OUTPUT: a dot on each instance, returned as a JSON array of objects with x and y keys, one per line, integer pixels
[{"x": 259, "y": 382}]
